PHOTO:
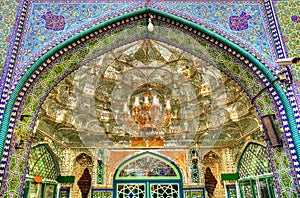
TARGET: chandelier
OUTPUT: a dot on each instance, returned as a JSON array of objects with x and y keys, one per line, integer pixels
[
  {"x": 150, "y": 117},
  {"x": 144, "y": 112}
]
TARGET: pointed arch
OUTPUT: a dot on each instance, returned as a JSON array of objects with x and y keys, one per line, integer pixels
[{"x": 11, "y": 109}]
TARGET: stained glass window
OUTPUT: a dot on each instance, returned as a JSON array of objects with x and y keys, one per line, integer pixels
[
  {"x": 231, "y": 191},
  {"x": 42, "y": 163},
  {"x": 131, "y": 191},
  {"x": 164, "y": 190},
  {"x": 147, "y": 166}
]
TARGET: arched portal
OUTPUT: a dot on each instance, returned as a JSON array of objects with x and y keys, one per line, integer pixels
[{"x": 84, "y": 48}]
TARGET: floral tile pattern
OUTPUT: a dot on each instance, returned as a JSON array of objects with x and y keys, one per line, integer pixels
[
  {"x": 46, "y": 21},
  {"x": 289, "y": 17},
  {"x": 43, "y": 26},
  {"x": 243, "y": 21},
  {"x": 8, "y": 10}
]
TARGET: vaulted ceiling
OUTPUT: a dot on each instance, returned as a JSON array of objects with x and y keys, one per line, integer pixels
[{"x": 86, "y": 109}]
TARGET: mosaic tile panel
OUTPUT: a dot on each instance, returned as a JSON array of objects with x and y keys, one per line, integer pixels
[
  {"x": 243, "y": 21},
  {"x": 100, "y": 167},
  {"x": 102, "y": 193},
  {"x": 194, "y": 166},
  {"x": 288, "y": 13},
  {"x": 283, "y": 173},
  {"x": 42, "y": 27},
  {"x": 8, "y": 10},
  {"x": 52, "y": 76}
]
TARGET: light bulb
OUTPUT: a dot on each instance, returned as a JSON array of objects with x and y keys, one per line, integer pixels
[
  {"x": 155, "y": 101},
  {"x": 125, "y": 109},
  {"x": 168, "y": 105},
  {"x": 136, "y": 102},
  {"x": 146, "y": 101},
  {"x": 150, "y": 26}
]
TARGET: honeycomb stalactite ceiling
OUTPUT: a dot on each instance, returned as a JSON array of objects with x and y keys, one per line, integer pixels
[{"x": 207, "y": 107}]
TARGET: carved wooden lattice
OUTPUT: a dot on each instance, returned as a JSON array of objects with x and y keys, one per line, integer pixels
[
  {"x": 42, "y": 163},
  {"x": 254, "y": 161}
]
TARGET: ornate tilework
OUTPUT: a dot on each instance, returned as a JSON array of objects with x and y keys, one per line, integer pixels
[
  {"x": 33, "y": 105},
  {"x": 74, "y": 15},
  {"x": 100, "y": 167},
  {"x": 295, "y": 18},
  {"x": 287, "y": 12},
  {"x": 216, "y": 16},
  {"x": 288, "y": 16},
  {"x": 239, "y": 23},
  {"x": 59, "y": 78},
  {"x": 8, "y": 10},
  {"x": 54, "y": 22}
]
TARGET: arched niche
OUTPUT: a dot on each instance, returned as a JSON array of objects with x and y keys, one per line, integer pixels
[{"x": 82, "y": 170}]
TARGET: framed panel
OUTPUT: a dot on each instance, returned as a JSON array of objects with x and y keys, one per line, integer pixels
[
  {"x": 49, "y": 191},
  {"x": 131, "y": 190},
  {"x": 194, "y": 193},
  {"x": 248, "y": 188},
  {"x": 231, "y": 191},
  {"x": 165, "y": 190},
  {"x": 102, "y": 193},
  {"x": 35, "y": 190},
  {"x": 64, "y": 193}
]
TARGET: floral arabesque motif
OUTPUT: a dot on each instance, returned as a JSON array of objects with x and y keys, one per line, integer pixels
[
  {"x": 295, "y": 18},
  {"x": 54, "y": 22},
  {"x": 239, "y": 23}
]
